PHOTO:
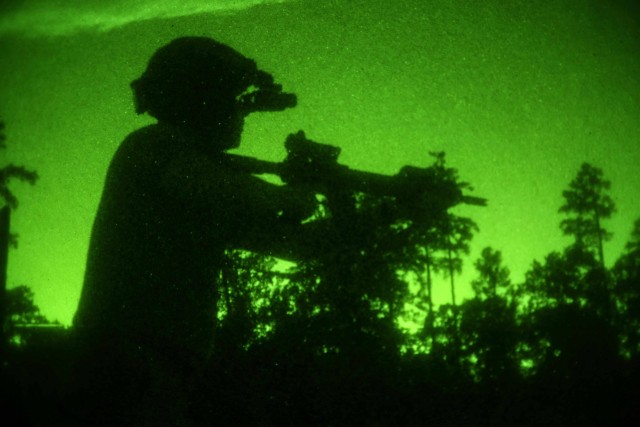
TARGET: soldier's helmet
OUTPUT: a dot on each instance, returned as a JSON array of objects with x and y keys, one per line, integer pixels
[{"x": 186, "y": 76}]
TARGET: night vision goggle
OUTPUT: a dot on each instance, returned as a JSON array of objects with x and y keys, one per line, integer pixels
[{"x": 265, "y": 95}]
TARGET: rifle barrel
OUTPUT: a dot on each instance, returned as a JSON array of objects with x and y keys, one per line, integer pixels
[
  {"x": 366, "y": 182},
  {"x": 344, "y": 177}
]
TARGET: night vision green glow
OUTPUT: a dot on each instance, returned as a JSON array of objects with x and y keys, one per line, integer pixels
[
  {"x": 517, "y": 95},
  {"x": 42, "y": 18},
  {"x": 387, "y": 304}
]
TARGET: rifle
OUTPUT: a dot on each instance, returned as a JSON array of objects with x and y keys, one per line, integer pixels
[{"x": 421, "y": 191}]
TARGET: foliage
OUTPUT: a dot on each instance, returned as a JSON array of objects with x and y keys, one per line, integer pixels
[
  {"x": 22, "y": 316},
  {"x": 319, "y": 343},
  {"x": 568, "y": 278},
  {"x": 587, "y": 204},
  {"x": 493, "y": 277},
  {"x": 626, "y": 273},
  {"x": 9, "y": 172},
  {"x": 489, "y": 336},
  {"x": 564, "y": 328}
]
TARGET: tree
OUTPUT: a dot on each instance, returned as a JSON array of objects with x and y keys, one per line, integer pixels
[
  {"x": 633, "y": 245},
  {"x": 488, "y": 329},
  {"x": 8, "y": 201},
  {"x": 492, "y": 275},
  {"x": 587, "y": 204},
  {"x": 326, "y": 331},
  {"x": 424, "y": 267},
  {"x": 626, "y": 273},
  {"x": 565, "y": 316},
  {"x": 420, "y": 259},
  {"x": 9, "y": 172},
  {"x": 489, "y": 335},
  {"x": 458, "y": 232},
  {"x": 23, "y": 316},
  {"x": 244, "y": 286},
  {"x": 571, "y": 277},
  {"x": 450, "y": 238},
  {"x": 437, "y": 245}
]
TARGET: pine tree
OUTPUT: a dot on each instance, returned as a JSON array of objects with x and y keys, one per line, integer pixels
[
  {"x": 458, "y": 234},
  {"x": 488, "y": 329},
  {"x": 423, "y": 265},
  {"x": 492, "y": 274},
  {"x": 627, "y": 294},
  {"x": 8, "y": 172},
  {"x": 587, "y": 204}
]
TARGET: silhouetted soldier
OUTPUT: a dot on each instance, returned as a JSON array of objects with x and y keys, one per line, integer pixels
[{"x": 171, "y": 205}]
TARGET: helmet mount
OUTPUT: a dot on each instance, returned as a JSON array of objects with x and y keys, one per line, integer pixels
[{"x": 191, "y": 74}]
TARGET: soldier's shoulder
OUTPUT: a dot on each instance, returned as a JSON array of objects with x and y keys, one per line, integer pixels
[
  {"x": 147, "y": 135},
  {"x": 145, "y": 141},
  {"x": 145, "y": 146}
]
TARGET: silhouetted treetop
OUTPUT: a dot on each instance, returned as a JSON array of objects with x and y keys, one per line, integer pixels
[
  {"x": 9, "y": 172},
  {"x": 586, "y": 205},
  {"x": 21, "y": 314},
  {"x": 633, "y": 245},
  {"x": 492, "y": 274}
]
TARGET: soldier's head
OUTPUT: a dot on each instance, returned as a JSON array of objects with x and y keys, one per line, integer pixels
[{"x": 198, "y": 83}]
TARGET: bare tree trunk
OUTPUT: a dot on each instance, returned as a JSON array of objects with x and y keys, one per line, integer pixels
[
  {"x": 4, "y": 255},
  {"x": 429, "y": 288},
  {"x": 600, "y": 240},
  {"x": 432, "y": 334},
  {"x": 426, "y": 290},
  {"x": 453, "y": 287}
]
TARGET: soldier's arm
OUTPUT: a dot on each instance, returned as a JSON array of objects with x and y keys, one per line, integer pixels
[{"x": 258, "y": 216}]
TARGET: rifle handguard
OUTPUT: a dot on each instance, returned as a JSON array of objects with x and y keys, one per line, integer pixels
[{"x": 316, "y": 165}]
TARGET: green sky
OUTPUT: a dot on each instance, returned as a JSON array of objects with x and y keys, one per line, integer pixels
[{"x": 518, "y": 93}]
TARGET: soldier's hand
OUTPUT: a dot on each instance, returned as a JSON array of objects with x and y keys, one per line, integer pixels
[{"x": 301, "y": 204}]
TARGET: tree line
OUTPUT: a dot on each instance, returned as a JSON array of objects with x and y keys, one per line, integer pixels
[
  {"x": 560, "y": 348},
  {"x": 321, "y": 343}
]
